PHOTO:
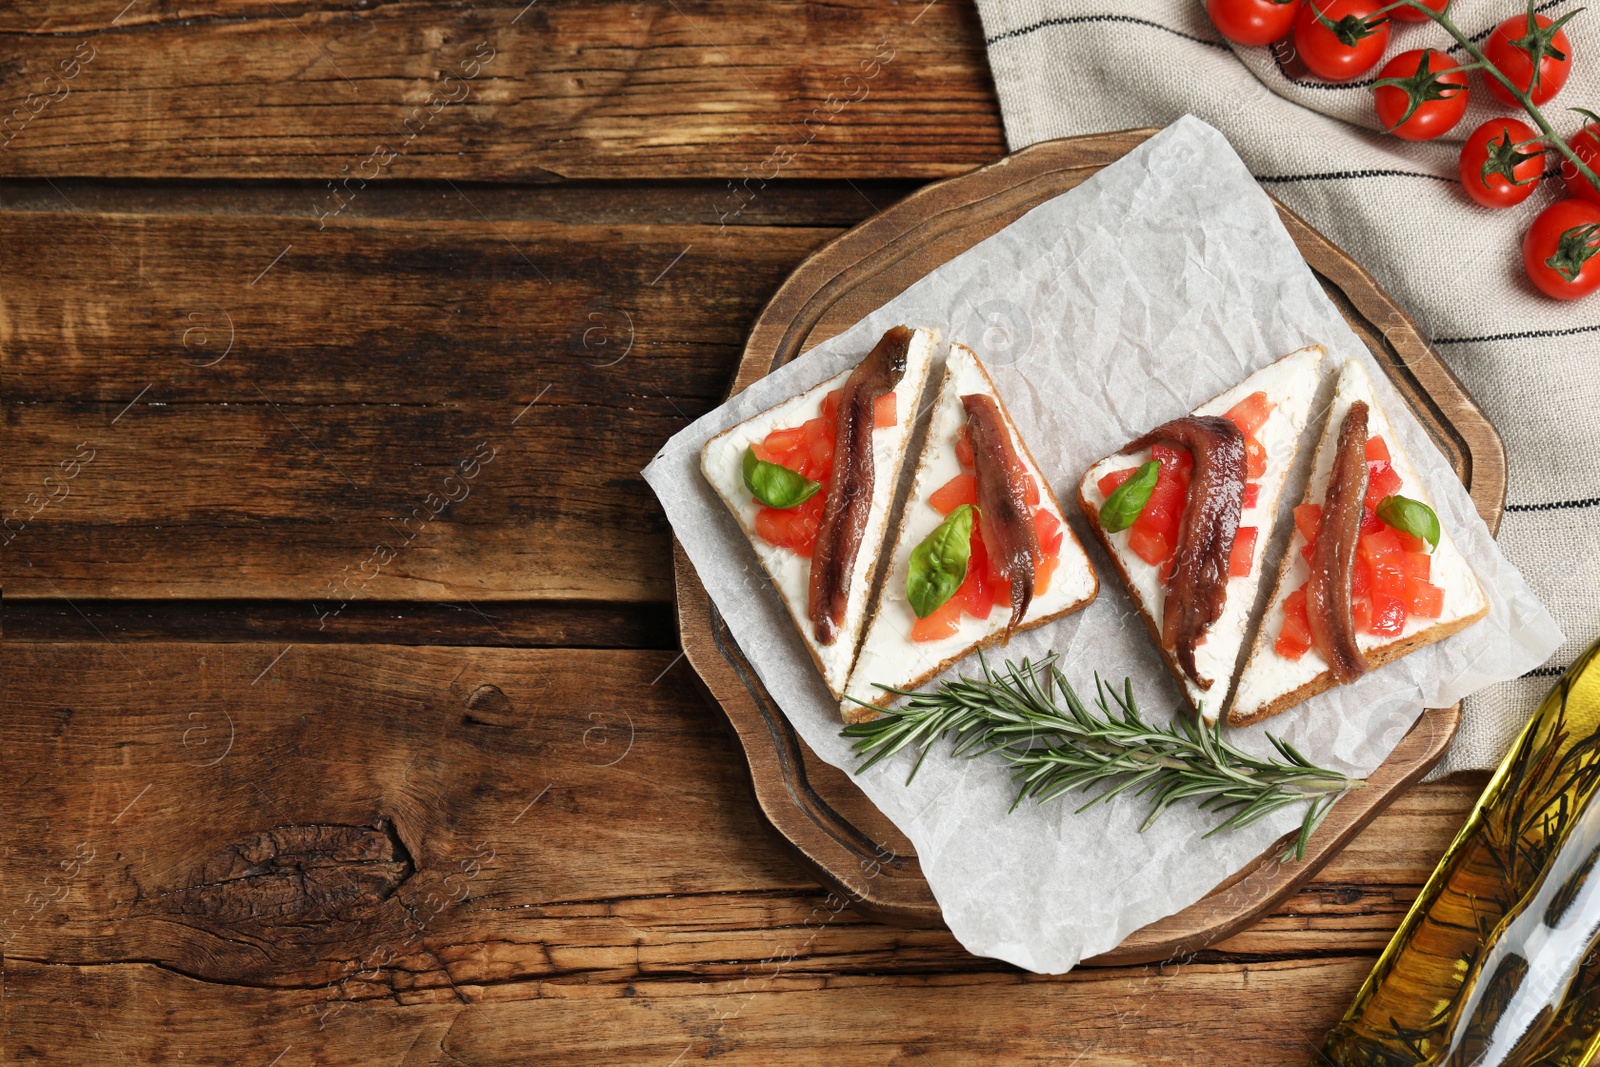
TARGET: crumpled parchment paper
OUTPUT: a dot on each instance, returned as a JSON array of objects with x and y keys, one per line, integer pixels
[{"x": 1158, "y": 283}]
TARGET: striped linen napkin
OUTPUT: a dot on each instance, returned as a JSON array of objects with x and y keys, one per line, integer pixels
[{"x": 1065, "y": 67}]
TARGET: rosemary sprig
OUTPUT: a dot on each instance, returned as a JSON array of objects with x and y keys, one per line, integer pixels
[{"x": 1031, "y": 716}]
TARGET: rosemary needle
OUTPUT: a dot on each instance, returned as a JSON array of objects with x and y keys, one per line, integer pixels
[{"x": 1030, "y": 715}]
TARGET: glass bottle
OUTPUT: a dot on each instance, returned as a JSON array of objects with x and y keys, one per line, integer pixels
[{"x": 1498, "y": 961}]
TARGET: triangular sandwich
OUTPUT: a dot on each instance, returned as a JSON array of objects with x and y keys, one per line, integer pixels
[
  {"x": 1370, "y": 575},
  {"x": 1212, "y": 501},
  {"x": 983, "y": 549},
  {"x": 811, "y": 482}
]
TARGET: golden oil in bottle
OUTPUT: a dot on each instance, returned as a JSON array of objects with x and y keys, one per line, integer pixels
[{"x": 1498, "y": 961}]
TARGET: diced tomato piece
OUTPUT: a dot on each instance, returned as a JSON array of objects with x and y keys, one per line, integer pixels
[
  {"x": 1255, "y": 458},
  {"x": 1381, "y": 544},
  {"x": 1294, "y": 605},
  {"x": 977, "y": 596},
  {"x": 780, "y": 442},
  {"x": 1250, "y": 413},
  {"x": 1148, "y": 545},
  {"x": 1370, "y": 523},
  {"x": 1387, "y": 579},
  {"x": 1043, "y": 573},
  {"x": 977, "y": 591},
  {"x": 1030, "y": 490},
  {"x": 1307, "y": 551},
  {"x": 772, "y": 526},
  {"x": 1252, "y": 493},
  {"x": 962, "y": 489},
  {"x": 1168, "y": 493},
  {"x": 998, "y": 589},
  {"x": 1388, "y": 615},
  {"x": 830, "y": 405},
  {"x": 1165, "y": 506},
  {"x": 1242, "y": 558},
  {"x": 1110, "y": 482},
  {"x": 1361, "y": 578},
  {"x": 1307, "y": 519},
  {"x": 761, "y": 451},
  {"x": 1377, "y": 450},
  {"x": 786, "y": 528},
  {"x": 944, "y": 622},
  {"x": 1159, "y": 520},
  {"x": 1423, "y": 599},
  {"x": 1050, "y": 532},
  {"x": 794, "y": 528},
  {"x": 1361, "y": 615},
  {"x": 1156, "y": 528},
  {"x": 999, "y": 586},
  {"x": 1409, "y": 542},
  {"x": 1383, "y": 556},
  {"x": 1382, "y": 481},
  {"x": 964, "y": 450},
  {"x": 1294, "y": 639},
  {"x": 884, "y": 412},
  {"x": 821, "y": 452},
  {"x": 816, "y": 429},
  {"x": 1417, "y": 564},
  {"x": 1172, "y": 459}
]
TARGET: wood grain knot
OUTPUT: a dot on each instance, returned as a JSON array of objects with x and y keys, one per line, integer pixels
[
  {"x": 294, "y": 875},
  {"x": 489, "y": 706}
]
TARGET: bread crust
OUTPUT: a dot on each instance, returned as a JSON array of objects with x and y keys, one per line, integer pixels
[{"x": 867, "y": 712}]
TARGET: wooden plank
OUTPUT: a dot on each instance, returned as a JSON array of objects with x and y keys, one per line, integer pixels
[
  {"x": 617, "y": 202},
  {"x": 728, "y": 88},
  {"x": 1268, "y": 1014},
  {"x": 263, "y": 409},
  {"x": 535, "y": 624},
  {"x": 304, "y": 844}
]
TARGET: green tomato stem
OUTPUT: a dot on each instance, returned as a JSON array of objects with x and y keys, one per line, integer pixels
[{"x": 1482, "y": 62}]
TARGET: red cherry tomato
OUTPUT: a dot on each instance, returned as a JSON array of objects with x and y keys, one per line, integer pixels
[
  {"x": 1325, "y": 53},
  {"x": 1561, "y": 252},
  {"x": 1411, "y": 14},
  {"x": 1586, "y": 145},
  {"x": 1496, "y": 137},
  {"x": 1442, "y": 91},
  {"x": 1516, "y": 63},
  {"x": 1253, "y": 22}
]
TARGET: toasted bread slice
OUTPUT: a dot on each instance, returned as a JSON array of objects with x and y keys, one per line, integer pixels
[
  {"x": 888, "y": 655},
  {"x": 721, "y": 461},
  {"x": 1272, "y": 683},
  {"x": 1290, "y": 385}
]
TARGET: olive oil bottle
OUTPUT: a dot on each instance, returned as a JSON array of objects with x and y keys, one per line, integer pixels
[{"x": 1498, "y": 961}]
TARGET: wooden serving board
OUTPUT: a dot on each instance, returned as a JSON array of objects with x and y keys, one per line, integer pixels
[{"x": 816, "y": 808}]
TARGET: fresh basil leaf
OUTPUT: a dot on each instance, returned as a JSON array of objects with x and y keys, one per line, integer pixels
[
  {"x": 1412, "y": 516},
  {"x": 774, "y": 485},
  {"x": 1122, "y": 507},
  {"x": 939, "y": 564}
]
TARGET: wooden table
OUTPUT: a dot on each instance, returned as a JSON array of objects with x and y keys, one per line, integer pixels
[{"x": 345, "y": 721}]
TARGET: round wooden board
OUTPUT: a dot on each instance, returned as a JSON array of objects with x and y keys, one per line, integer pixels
[{"x": 816, "y": 808}]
